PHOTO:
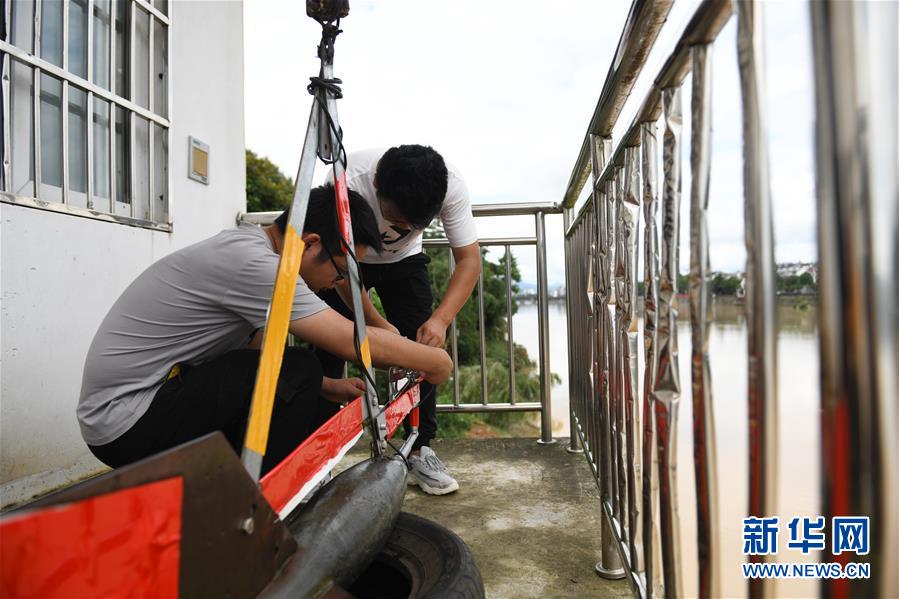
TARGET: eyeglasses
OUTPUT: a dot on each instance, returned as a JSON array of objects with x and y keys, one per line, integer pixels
[{"x": 341, "y": 274}]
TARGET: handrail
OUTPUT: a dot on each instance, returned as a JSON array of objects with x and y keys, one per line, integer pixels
[
  {"x": 703, "y": 27},
  {"x": 509, "y": 209},
  {"x": 644, "y": 21}
]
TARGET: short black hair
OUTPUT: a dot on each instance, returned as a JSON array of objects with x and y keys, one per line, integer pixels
[
  {"x": 414, "y": 178},
  {"x": 321, "y": 218}
]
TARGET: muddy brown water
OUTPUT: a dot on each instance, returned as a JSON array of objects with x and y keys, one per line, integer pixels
[{"x": 798, "y": 396}]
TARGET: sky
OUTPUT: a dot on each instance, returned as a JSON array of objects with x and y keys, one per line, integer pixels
[{"x": 505, "y": 91}]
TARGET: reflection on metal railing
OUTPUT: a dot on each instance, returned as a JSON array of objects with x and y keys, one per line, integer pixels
[
  {"x": 631, "y": 445},
  {"x": 858, "y": 194},
  {"x": 544, "y": 406}
]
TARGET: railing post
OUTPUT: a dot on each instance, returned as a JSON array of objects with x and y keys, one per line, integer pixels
[
  {"x": 512, "y": 390},
  {"x": 574, "y": 445},
  {"x": 708, "y": 557},
  {"x": 760, "y": 292},
  {"x": 652, "y": 559},
  {"x": 546, "y": 425},
  {"x": 454, "y": 336},
  {"x": 666, "y": 390},
  {"x": 857, "y": 188},
  {"x": 482, "y": 322},
  {"x": 609, "y": 566}
]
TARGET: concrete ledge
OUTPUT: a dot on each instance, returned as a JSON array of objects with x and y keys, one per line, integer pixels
[{"x": 23, "y": 490}]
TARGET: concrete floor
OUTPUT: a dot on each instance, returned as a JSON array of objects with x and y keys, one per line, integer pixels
[{"x": 528, "y": 512}]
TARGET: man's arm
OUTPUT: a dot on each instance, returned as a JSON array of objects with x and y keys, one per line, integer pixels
[
  {"x": 468, "y": 267},
  {"x": 372, "y": 316},
  {"x": 334, "y": 333}
]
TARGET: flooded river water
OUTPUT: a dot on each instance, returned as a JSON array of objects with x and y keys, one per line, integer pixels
[{"x": 798, "y": 420}]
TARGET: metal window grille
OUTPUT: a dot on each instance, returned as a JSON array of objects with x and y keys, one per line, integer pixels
[{"x": 85, "y": 108}]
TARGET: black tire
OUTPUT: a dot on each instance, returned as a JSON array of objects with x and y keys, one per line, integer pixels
[{"x": 421, "y": 560}]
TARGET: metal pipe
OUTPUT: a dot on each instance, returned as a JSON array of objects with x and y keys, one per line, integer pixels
[
  {"x": 708, "y": 20},
  {"x": 644, "y": 21},
  {"x": 482, "y": 325},
  {"x": 5, "y": 78},
  {"x": 455, "y": 340},
  {"x": 36, "y": 86},
  {"x": 89, "y": 113},
  {"x": 628, "y": 232},
  {"x": 652, "y": 563},
  {"x": 516, "y": 209},
  {"x": 512, "y": 391},
  {"x": 530, "y": 406},
  {"x": 443, "y": 242},
  {"x": 760, "y": 290},
  {"x": 129, "y": 118},
  {"x": 610, "y": 343},
  {"x": 855, "y": 66},
  {"x": 610, "y": 564},
  {"x": 169, "y": 110},
  {"x": 666, "y": 391},
  {"x": 575, "y": 398},
  {"x": 64, "y": 103},
  {"x": 703, "y": 416},
  {"x": 546, "y": 425},
  {"x": 408, "y": 442},
  {"x": 620, "y": 265},
  {"x": 151, "y": 105},
  {"x": 113, "y": 207}
]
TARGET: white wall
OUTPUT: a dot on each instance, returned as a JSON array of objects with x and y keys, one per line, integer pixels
[{"x": 61, "y": 273}]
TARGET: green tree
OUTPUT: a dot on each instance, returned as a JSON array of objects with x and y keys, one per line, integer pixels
[
  {"x": 796, "y": 283},
  {"x": 725, "y": 284},
  {"x": 268, "y": 189}
]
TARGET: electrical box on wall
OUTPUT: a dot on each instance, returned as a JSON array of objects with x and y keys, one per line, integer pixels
[{"x": 198, "y": 158}]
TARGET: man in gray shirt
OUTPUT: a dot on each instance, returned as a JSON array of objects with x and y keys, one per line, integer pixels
[{"x": 176, "y": 356}]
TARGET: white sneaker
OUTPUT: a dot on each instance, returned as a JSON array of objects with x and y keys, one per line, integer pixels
[{"x": 427, "y": 471}]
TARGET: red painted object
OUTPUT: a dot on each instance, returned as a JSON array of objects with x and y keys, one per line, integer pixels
[
  {"x": 288, "y": 482},
  {"x": 125, "y": 543},
  {"x": 288, "y": 478},
  {"x": 343, "y": 205},
  {"x": 397, "y": 411}
]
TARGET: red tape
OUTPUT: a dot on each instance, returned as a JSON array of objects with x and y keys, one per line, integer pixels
[
  {"x": 282, "y": 484},
  {"x": 400, "y": 407},
  {"x": 286, "y": 479},
  {"x": 125, "y": 543}
]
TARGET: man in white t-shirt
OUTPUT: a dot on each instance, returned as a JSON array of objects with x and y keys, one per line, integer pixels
[{"x": 407, "y": 187}]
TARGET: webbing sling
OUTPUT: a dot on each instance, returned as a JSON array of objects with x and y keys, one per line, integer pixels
[{"x": 323, "y": 141}]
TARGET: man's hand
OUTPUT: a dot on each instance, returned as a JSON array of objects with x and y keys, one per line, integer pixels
[
  {"x": 432, "y": 332},
  {"x": 342, "y": 390}
]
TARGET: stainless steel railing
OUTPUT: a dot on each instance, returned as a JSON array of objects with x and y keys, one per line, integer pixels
[
  {"x": 538, "y": 242},
  {"x": 629, "y": 435}
]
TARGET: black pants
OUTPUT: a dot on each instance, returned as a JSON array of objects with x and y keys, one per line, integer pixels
[
  {"x": 405, "y": 291},
  {"x": 215, "y": 396}
]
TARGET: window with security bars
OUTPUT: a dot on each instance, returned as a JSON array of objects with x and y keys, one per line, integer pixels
[{"x": 85, "y": 107}]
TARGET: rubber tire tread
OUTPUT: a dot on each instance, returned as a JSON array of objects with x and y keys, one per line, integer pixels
[{"x": 440, "y": 562}]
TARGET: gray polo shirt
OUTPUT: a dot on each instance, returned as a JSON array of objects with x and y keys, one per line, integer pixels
[{"x": 189, "y": 307}]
